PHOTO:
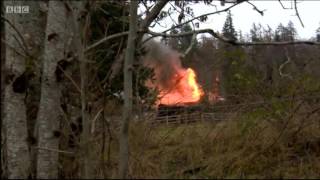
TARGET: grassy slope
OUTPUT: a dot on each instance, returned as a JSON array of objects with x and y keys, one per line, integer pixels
[
  {"x": 255, "y": 144},
  {"x": 246, "y": 147}
]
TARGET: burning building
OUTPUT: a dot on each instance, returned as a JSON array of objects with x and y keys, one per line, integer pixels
[{"x": 179, "y": 90}]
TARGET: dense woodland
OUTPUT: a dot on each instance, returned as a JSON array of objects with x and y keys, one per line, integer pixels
[{"x": 75, "y": 102}]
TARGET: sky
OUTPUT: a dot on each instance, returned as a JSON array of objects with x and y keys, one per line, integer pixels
[{"x": 244, "y": 16}]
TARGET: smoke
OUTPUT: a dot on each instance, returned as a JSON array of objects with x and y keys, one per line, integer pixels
[{"x": 165, "y": 62}]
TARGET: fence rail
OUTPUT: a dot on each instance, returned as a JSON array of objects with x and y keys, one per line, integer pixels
[
  {"x": 182, "y": 115},
  {"x": 189, "y": 118}
]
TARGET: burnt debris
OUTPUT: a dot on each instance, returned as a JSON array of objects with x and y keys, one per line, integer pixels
[{"x": 172, "y": 110}]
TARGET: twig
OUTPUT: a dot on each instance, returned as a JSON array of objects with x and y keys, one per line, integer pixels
[
  {"x": 105, "y": 39},
  {"x": 297, "y": 12},
  {"x": 147, "y": 8},
  {"x": 203, "y": 15},
  {"x": 68, "y": 125},
  {"x": 95, "y": 119},
  {"x": 55, "y": 150},
  {"x": 20, "y": 35},
  {"x": 280, "y": 134},
  {"x": 153, "y": 14},
  {"x": 14, "y": 49},
  {"x": 156, "y": 22},
  {"x": 256, "y": 8},
  {"x": 179, "y": 11},
  {"x": 302, "y": 123},
  {"x": 282, "y": 5},
  {"x": 70, "y": 78},
  {"x": 295, "y": 8}
]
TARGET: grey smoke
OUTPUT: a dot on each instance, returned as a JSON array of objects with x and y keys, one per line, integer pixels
[{"x": 164, "y": 60}]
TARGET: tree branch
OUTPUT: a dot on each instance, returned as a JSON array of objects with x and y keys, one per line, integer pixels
[
  {"x": 261, "y": 12},
  {"x": 193, "y": 41},
  {"x": 55, "y": 150},
  {"x": 143, "y": 26},
  {"x": 153, "y": 14},
  {"x": 297, "y": 12},
  {"x": 282, "y": 5},
  {"x": 210, "y": 31},
  {"x": 24, "y": 45},
  {"x": 203, "y": 15},
  {"x": 226, "y": 40},
  {"x": 105, "y": 39},
  {"x": 295, "y": 8}
]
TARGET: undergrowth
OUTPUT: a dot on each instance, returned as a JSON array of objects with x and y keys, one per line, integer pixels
[
  {"x": 274, "y": 141},
  {"x": 249, "y": 146}
]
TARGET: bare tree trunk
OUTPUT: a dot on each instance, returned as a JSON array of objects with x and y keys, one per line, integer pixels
[
  {"x": 79, "y": 29},
  {"x": 129, "y": 57},
  {"x": 4, "y": 171},
  {"x": 49, "y": 110},
  {"x": 20, "y": 52}
]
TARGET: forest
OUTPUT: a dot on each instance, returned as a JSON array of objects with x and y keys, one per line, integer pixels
[{"x": 89, "y": 90}]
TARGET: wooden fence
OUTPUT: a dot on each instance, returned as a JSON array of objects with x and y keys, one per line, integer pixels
[
  {"x": 184, "y": 115},
  {"x": 186, "y": 118}
]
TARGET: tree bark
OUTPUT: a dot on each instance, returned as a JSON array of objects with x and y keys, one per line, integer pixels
[
  {"x": 49, "y": 110},
  {"x": 79, "y": 29},
  {"x": 3, "y": 133},
  {"x": 129, "y": 57},
  {"x": 20, "y": 49}
]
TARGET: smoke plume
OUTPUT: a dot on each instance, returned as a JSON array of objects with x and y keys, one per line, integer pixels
[{"x": 165, "y": 62}]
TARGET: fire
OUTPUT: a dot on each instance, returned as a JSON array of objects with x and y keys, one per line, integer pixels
[
  {"x": 186, "y": 89},
  {"x": 196, "y": 93},
  {"x": 214, "y": 95}
]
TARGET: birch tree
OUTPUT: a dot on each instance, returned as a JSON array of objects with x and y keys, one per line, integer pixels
[
  {"x": 22, "y": 52},
  {"x": 15, "y": 119},
  {"x": 49, "y": 111}
]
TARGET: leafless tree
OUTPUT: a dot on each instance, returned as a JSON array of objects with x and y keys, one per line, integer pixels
[
  {"x": 127, "y": 111},
  {"x": 80, "y": 24},
  {"x": 21, "y": 52},
  {"x": 49, "y": 109},
  {"x": 63, "y": 29}
]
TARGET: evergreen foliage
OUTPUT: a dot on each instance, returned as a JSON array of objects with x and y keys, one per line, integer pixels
[{"x": 228, "y": 29}]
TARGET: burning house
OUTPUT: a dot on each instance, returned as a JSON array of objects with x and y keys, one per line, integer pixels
[{"x": 179, "y": 91}]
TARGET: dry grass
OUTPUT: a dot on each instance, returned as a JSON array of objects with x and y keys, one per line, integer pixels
[
  {"x": 239, "y": 148},
  {"x": 250, "y": 145}
]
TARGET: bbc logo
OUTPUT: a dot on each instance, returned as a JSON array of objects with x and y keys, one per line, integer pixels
[{"x": 17, "y": 9}]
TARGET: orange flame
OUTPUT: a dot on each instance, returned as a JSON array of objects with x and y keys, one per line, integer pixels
[
  {"x": 186, "y": 89},
  {"x": 214, "y": 95}
]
